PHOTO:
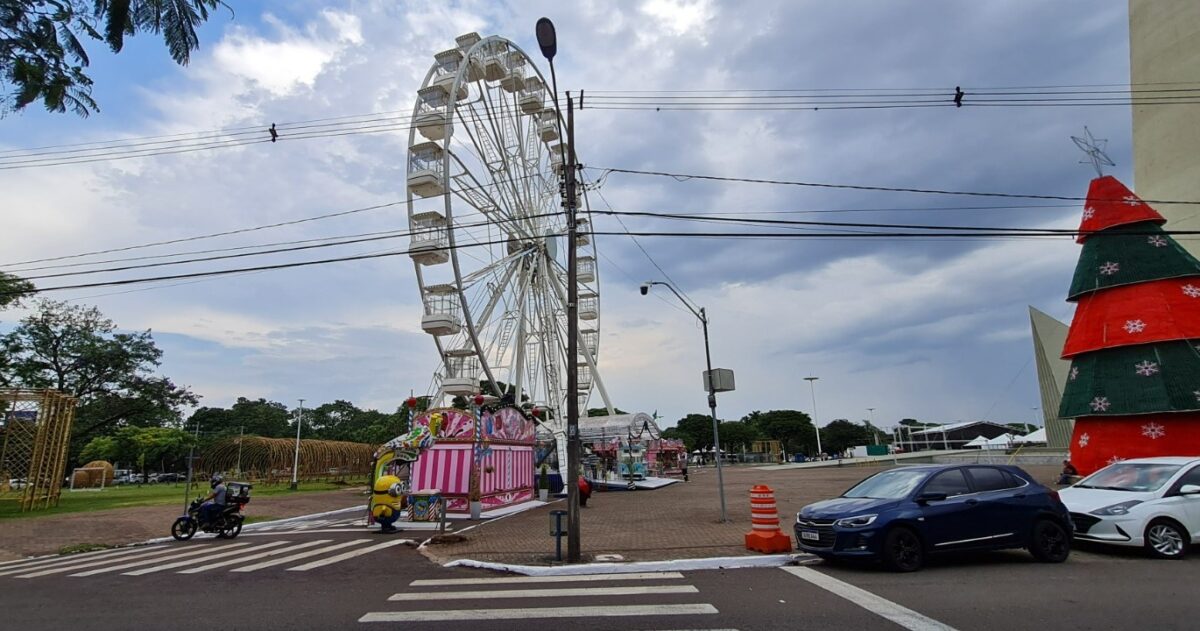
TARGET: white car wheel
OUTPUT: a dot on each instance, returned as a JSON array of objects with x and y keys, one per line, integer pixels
[{"x": 1165, "y": 540}]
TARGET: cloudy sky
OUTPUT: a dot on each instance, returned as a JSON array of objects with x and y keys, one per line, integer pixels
[{"x": 930, "y": 329}]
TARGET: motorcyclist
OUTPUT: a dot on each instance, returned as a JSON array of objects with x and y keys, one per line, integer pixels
[{"x": 214, "y": 503}]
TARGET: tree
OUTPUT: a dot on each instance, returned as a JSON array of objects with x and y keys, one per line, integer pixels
[
  {"x": 792, "y": 428},
  {"x": 675, "y": 433},
  {"x": 736, "y": 435},
  {"x": 699, "y": 428},
  {"x": 258, "y": 417},
  {"x": 841, "y": 434},
  {"x": 42, "y": 57},
  {"x": 75, "y": 349},
  {"x": 604, "y": 411},
  {"x": 13, "y": 289},
  {"x": 1134, "y": 367}
]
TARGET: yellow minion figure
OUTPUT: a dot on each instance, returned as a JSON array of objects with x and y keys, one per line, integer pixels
[{"x": 386, "y": 501}]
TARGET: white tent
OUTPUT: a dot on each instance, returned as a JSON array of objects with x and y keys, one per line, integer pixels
[
  {"x": 1038, "y": 436},
  {"x": 1000, "y": 442},
  {"x": 978, "y": 441}
]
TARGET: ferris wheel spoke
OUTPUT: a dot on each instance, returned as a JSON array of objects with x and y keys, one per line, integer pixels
[
  {"x": 503, "y": 162},
  {"x": 479, "y": 197}
]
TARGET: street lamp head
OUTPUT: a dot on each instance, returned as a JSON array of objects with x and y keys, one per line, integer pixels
[
  {"x": 546, "y": 37},
  {"x": 811, "y": 378},
  {"x": 645, "y": 288}
]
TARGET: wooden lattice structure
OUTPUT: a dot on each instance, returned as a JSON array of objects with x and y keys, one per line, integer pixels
[
  {"x": 270, "y": 459},
  {"x": 35, "y": 430}
]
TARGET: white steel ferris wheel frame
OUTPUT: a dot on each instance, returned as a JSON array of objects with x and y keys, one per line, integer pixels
[{"x": 514, "y": 195}]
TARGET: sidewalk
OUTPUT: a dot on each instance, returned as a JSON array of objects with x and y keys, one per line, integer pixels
[{"x": 680, "y": 521}]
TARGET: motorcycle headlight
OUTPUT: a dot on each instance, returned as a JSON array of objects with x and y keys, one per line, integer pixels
[
  {"x": 857, "y": 522},
  {"x": 1117, "y": 509}
]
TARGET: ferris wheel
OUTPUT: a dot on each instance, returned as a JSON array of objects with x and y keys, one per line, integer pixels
[{"x": 488, "y": 244}]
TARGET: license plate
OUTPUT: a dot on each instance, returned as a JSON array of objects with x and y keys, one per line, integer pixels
[{"x": 810, "y": 535}]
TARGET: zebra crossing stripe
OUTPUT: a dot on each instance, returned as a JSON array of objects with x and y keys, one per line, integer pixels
[
  {"x": 626, "y": 590},
  {"x": 254, "y": 557},
  {"x": 213, "y": 550},
  {"x": 71, "y": 558},
  {"x": 630, "y": 576},
  {"x": 72, "y": 566},
  {"x": 601, "y": 611},
  {"x": 297, "y": 557},
  {"x": 347, "y": 555},
  {"x": 187, "y": 562}
]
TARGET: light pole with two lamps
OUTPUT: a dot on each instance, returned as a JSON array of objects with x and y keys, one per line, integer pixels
[
  {"x": 816, "y": 427},
  {"x": 709, "y": 380}
]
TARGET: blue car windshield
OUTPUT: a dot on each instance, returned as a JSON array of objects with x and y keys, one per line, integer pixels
[{"x": 888, "y": 485}]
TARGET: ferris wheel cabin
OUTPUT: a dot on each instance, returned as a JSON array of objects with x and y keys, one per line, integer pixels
[
  {"x": 533, "y": 97},
  {"x": 431, "y": 113},
  {"x": 474, "y": 68},
  {"x": 441, "y": 310},
  {"x": 462, "y": 372},
  {"x": 429, "y": 238},
  {"x": 514, "y": 79},
  {"x": 589, "y": 306},
  {"x": 548, "y": 127},
  {"x": 585, "y": 269},
  {"x": 447, "y": 63},
  {"x": 425, "y": 169},
  {"x": 591, "y": 340}
]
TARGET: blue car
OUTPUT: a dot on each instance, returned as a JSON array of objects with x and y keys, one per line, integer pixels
[{"x": 902, "y": 515}]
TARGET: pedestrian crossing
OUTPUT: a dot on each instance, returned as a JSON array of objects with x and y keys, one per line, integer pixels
[
  {"x": 199, "y": 557},
  {"x": 330, "y": 525},
  {"x": 627, "y": 596}
]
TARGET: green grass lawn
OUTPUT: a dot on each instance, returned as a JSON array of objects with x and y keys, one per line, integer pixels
[{"x": 144, "y": 495}]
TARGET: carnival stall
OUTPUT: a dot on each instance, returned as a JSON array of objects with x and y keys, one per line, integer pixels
[{"x": 630, "y": 445}]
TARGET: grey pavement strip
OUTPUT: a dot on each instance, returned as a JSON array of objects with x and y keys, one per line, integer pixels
[
  {"x": 601, "y": 611},
  {"x": 877, "y": 605},
  {"x": 628, "y": 590}
]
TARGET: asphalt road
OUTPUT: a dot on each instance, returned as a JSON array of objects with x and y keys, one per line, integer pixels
[{"x": 332, "y": 575}]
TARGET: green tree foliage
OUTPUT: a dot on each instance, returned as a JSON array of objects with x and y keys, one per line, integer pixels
[
  {"x": 792, "y": 428},
  {"x": 42, "y": 56},
  {"x": 339, "y": 420},
  {"x": 697, "y": 428},
  {"x": 75, "y": 349},
  {"x": 160, "y": 448},
  {"x": 842, "y": 434},
  {"x": 736, "y": 435},
  {"x": 13, "y": 288},
  {"x": 604, "y": 411},
  {"x": 259, "y": 417},
  {"x": 677, "y": 434},
  {"x": 100, "y": 448}
]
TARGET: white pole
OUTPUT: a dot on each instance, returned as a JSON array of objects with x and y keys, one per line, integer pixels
[
  {"x": 241, "y": 433},
  {"x": 873, "y": 432},
  {"x": 296, "y": 458},
  {"x": 816, "y": 426}
]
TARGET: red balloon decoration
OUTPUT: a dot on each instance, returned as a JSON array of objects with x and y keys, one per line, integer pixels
[
  {"x": 411, "y": 402},
  {"x": 479, "y": 399}
]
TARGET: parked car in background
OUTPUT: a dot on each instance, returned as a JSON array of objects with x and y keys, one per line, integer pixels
[
  {"x": 170, "y": 477},
  {"x": 900, "y": 516},
  {"x": 1153, "y": 503}
]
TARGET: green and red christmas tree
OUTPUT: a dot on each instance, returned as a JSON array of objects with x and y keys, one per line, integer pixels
[{"x": 1134, "y": 344}]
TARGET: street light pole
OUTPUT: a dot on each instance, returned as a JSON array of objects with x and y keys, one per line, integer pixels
[
  {"x": 547, "y": 39},
  {"x": 296, "y": 458},
  {"x": 712, "y": 391},
  {"x": 816, "y": 427},
  {"x": 873, "y": 432}
]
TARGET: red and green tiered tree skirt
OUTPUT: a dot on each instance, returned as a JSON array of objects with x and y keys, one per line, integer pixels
[{"x": 1134, "y": 344}]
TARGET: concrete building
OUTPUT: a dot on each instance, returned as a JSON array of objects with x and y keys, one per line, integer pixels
[{"x": 1164, "y": 48}]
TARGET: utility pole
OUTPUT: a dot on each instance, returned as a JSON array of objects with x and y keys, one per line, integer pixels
[
  {"x": 187, "y": 488},
  {"x": 296, "y": 458},
  {"x": 547, "y": 39},
  {"x": 241, "y": 434},
  {"x": 816, "y": 426}
]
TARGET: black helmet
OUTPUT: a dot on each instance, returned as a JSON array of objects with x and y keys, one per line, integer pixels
[{"x": 215, "y": 480}]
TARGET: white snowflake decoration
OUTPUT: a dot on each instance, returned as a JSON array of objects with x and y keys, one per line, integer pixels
[
  {"x": 1074, "y": 372},
  {"x": 1110, "y": 268},
  {"x": 1100, "y": 404},
  {"x": 1191, "y": 291},
  {"x": 1115, "y": 460},
  {"x": 1130, "y": 200},
  {"x": 1088, "y": 212},
  {"x": 1083, "y": 439},
  {"x": 1153, "y": 431},
  {"x": 1134, "y": 326},
  {"x": 1146, "y": 368},
  {"x": 1157, "y": 241},
  {"x": 1197, "y": 394}
]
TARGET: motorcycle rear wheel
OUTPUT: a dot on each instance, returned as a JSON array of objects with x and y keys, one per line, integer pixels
[
  {"x": 183, "y": 528},
  {"x": 231, "y": 528}
]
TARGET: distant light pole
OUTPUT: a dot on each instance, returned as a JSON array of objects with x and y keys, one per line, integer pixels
[
  {"x": 296, "y": 458},
  {"x": 873, "y": 432},
  {"x": 816, "y": 427},
  {"x": 1036, "y": 418},
  {"x": 712, "y": 390}
]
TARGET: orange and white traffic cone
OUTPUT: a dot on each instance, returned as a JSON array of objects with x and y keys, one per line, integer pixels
[{"x": 766, "y": 535}]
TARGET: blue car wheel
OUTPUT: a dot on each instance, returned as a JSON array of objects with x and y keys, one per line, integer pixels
[{"x": 902, "y": 550}]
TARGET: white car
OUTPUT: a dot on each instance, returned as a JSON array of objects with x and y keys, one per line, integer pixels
[{"x": 1146, "y": 502}]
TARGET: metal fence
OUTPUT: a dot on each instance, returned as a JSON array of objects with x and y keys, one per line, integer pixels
[{"x": 35, "y": 430}]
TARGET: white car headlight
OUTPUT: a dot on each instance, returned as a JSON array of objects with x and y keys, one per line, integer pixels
[
  {"x": 856, "y": 522},
  {"x": 1117, "y": 509}
]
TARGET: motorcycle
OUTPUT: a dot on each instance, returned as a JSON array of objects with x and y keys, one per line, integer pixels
[{"x": 227, "y": 524}]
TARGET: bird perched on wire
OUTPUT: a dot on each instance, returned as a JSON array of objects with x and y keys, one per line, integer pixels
[
  {"x": 958, "y": 96},
  {"x": 274, "y": 134}
]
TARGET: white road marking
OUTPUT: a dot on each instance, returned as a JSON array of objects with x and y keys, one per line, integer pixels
[
  {"x": 254, "y": 557},
  {"x": 301, "y": 532},
  {"x": 192, "y": 562},
  {"x": 877, "y": 605},
  {"x": 632, "y": 576},
  {"x": 212, "y": 550},
  {"x": 45, "y": 562},
  {"x": 630, "y": 590},
  {"x": 70, "y": 566},
  {"x": 347, "y": 555},
  {"x": 602, "y": 611},
  {"x": 297, "y": 557}
]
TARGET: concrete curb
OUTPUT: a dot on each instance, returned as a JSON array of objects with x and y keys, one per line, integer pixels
[{"x": 712, "y": 563}]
